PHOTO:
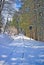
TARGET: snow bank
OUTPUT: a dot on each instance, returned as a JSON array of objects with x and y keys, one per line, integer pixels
[{"x": 21, "y": 36}]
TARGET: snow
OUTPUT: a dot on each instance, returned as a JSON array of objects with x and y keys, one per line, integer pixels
[
  {"x": 20, "y": 50},
  {"x": 4, "y": 56},
  {"x": 13, "y": 59},
  {"x": 1, "y": 62},
  {"x": 4, "y": 38},
  {"x": 21, "y": 36}
]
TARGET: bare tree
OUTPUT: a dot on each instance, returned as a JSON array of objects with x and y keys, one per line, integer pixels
[{"x": 1, "y": 7}]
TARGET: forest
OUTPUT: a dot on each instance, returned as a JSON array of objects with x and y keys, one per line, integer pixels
[{"x": 25, "y": 15}]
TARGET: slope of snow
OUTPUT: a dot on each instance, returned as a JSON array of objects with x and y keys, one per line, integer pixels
[
  {"x": 21, "y": 40},
  {"x": 4, "y": 38},
  {"x": 21, "y": 51}
]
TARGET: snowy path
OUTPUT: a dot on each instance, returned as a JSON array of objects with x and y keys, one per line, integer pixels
[{"x": 22, "y": 52}]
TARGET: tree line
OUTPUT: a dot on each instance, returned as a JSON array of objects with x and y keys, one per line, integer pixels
[
  {"x": 29, "y": 19},
  {"x": 30, "y": 15}
]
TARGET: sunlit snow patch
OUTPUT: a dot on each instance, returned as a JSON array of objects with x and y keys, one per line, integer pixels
[
  {"x": 4, "y": 56},
  {"x": 13, "y": 59},
  {"x": 1, "y": 62},
  {"x": 21, "y": 36}
]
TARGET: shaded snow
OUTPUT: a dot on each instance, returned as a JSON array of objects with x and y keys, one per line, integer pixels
[
  {"x": 20, "y": 51},
  {"x": 4, "y": 38}
]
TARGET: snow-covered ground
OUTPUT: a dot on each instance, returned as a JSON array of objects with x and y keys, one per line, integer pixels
[
  {"x": 20, "y": 50},
  {"x": 21, "y": 36}
]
